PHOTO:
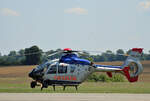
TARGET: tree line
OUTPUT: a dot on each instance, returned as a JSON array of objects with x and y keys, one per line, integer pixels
[{"x": 34, "y": 55}]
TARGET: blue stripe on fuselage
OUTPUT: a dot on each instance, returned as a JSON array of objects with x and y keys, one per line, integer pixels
[{"x": 109, "y": 66}]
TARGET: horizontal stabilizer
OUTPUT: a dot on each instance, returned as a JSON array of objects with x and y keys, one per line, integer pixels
[{"x": 109, "y": 74}]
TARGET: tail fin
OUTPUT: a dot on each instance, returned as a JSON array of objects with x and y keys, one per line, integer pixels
[{"x": 132, "y": 66}]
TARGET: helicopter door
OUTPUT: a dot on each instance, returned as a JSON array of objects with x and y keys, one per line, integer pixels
[
  {"x": 62, "y": 72},
  {"x": 72, "y": 73},
  {"x": 51, "y": 72}
]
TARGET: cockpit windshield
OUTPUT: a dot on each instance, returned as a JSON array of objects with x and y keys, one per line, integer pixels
[
  {"x": 53, "y": 69},
  {"x": 42, "y": 66}
]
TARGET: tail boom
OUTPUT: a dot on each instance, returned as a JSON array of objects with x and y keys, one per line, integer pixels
[{"x": 131, "y": 67}]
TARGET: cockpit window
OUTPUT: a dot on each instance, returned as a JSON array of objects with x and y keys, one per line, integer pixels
[
  {"x": 52, "y": 69},
  {"x": 41, "y": 67},
  {"x": 62, "y": 69}
]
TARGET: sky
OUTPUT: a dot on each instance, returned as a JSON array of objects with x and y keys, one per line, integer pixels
[{"x": 78, "y": 24}]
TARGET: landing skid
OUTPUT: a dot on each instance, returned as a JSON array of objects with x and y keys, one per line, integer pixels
[
  {"x": 33, "y": 84},
  {"x": 64, "y": 86}
]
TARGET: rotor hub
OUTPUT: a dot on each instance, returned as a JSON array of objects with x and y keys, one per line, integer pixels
[{"x": 67, "y": 49}]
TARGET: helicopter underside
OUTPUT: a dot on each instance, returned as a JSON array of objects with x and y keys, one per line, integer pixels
[{"x": 53, "y": 82}]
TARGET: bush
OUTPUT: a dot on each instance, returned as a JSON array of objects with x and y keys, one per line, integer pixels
[
  {"x": 96, "y": 77},
  {"x": 117, "y": 78}
]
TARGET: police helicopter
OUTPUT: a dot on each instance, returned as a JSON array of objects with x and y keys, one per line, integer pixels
[{"x": 70, "y": 70}]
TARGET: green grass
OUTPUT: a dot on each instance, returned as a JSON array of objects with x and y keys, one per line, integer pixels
[{"x": 86, "y": 87}]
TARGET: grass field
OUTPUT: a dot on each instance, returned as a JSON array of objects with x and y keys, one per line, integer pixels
[{"x": 14, "y": 79}]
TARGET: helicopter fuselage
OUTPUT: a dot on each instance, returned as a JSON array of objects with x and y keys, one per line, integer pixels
[
  {"x": 68, "y": 70},
  {"x": 63, "y": 73}
]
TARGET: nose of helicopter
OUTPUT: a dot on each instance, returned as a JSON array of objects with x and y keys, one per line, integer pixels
[{"x": 31, "y": 74}]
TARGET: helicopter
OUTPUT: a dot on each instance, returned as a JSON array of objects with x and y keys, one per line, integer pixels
[{"x": 70, "y": 70}]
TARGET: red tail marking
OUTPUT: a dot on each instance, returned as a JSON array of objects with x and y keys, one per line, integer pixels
[
  {"x": 126, "y": 72},
  {"x": 137, "y": 50},
  {"x": 109, "y": 74}
]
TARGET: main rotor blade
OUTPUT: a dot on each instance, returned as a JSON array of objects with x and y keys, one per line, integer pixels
[
  {"x": 54, "y": 53},
  {"x": 104, "y": 52}
]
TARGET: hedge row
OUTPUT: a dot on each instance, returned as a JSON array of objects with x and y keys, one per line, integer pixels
[{"x": 96, "y": 77}]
